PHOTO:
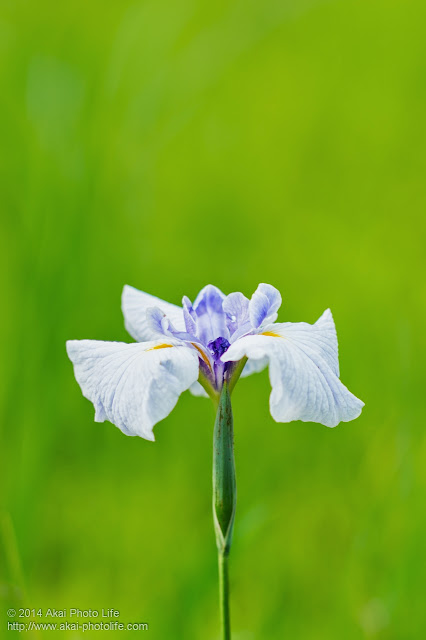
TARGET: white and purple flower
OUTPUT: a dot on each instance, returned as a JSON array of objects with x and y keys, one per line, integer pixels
[{"x": 200, "y": 346}]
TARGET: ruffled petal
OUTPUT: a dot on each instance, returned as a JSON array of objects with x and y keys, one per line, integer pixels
[
  {"x": 135, "y": 304},
  {"x": 321, "y": 337},
  {"x": 136, "y": 385},
  {"x": 302, "y": 370},
  {"x": 264, "y": 304}
]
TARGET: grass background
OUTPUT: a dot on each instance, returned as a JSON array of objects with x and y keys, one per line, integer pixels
[{"x": 168, "y": 145}]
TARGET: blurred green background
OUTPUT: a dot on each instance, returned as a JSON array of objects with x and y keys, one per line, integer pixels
[{"x": 169, "y": 145}]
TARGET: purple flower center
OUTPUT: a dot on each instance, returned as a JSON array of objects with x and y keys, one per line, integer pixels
[{"x": 218, "y": 347}]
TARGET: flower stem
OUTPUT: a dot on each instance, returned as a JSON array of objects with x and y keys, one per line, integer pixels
[
  {"x": 224, "y": 595},
  {"x": 224, "y": 498}
]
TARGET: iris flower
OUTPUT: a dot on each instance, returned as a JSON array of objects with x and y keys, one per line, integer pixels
[
  {"x": 206, "y": 347},
  {"x": 199, "y": 346}
]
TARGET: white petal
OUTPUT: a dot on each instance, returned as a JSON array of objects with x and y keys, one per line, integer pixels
[
  {"x": 321, "y": 337},
  {"x": 254, "y": 366},
  {"x": 135, "y": 304},
  {"x": 197, "y": 390},
  {"x": 134, "y": 386},
  {"x": 302, "y": 374}
]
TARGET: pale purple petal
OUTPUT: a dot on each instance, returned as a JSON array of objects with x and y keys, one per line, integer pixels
[
  {"x": 236, "y": 307},
  {"x": 158, "y": 322},
  {"x": 211, "y": 319},
  {"x": 264, "y": 305},
  {"x": 189, "y": 315}
]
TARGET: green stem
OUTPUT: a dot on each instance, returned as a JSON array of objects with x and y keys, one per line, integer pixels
[
  {"x": 224, "y": 498},
  {"x": 224, "y": 595}
]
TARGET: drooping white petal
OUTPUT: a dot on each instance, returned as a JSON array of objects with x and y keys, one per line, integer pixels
[
  {"x": 136, "y": 385},
  {"x": 321, "y": 337},
  {"x": 302, "y": 370},
  {"x": 135, "y": 304}
]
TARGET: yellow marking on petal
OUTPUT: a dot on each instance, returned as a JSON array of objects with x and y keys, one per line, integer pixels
[
  {"x": 203, "y": 355},
  {"x": 160, "y": 346},
  {"x": 271, "y": 333}
]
